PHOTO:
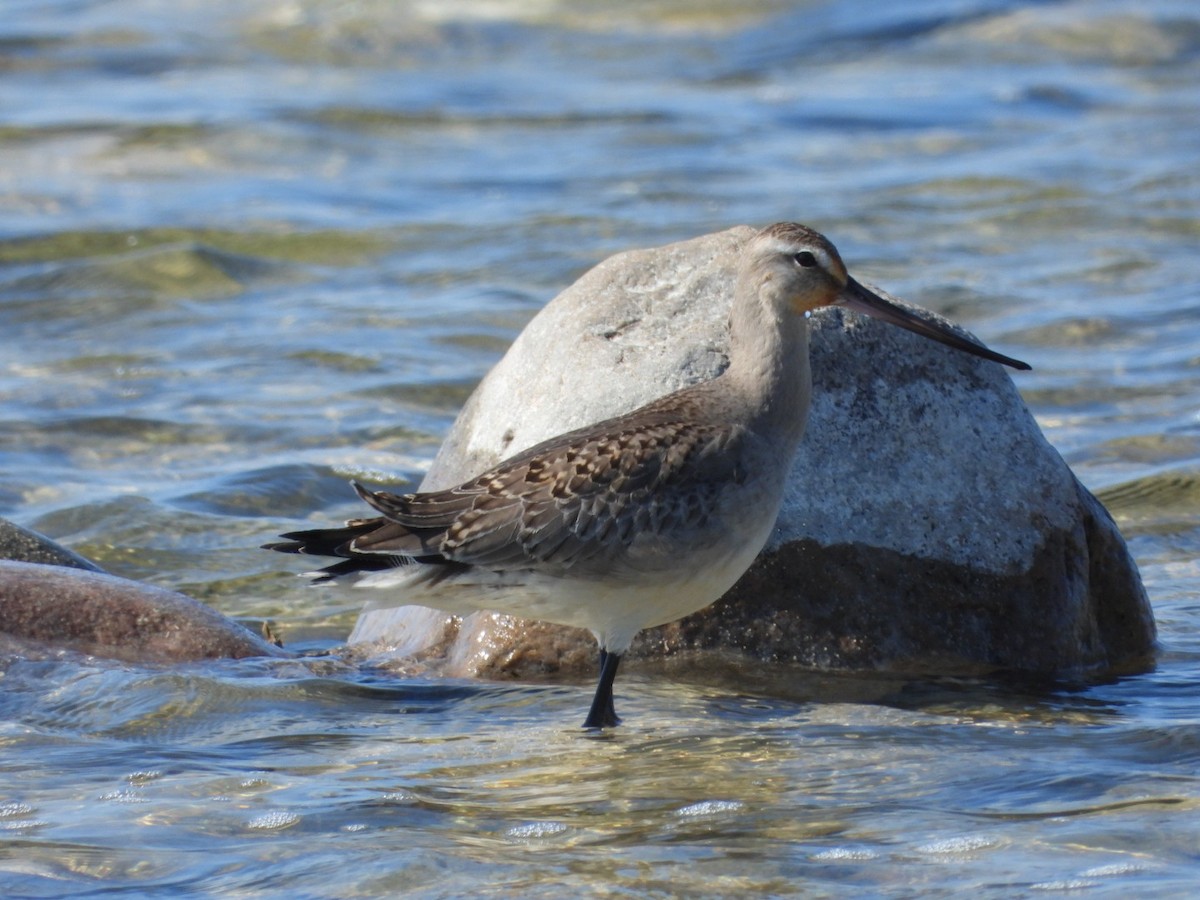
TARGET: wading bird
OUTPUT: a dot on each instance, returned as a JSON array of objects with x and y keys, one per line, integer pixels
[{"x": 640, "y": 519}]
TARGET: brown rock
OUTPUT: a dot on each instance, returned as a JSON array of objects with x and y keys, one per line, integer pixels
[{"x": 103, "y": 615}]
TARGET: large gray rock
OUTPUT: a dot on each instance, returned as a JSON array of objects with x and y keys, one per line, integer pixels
[{"x": 927, "y": 525}]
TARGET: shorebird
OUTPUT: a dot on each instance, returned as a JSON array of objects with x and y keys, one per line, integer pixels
[{"x": 640, "y": 519}]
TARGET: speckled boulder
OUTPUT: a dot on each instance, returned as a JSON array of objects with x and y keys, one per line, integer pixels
[{"x": 927, "y": 526}]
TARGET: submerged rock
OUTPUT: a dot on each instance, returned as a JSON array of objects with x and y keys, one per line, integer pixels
[
  {"x": 52, "y": 596},
  {"x": 928, "y": 525},
  {"x": 28, "y": 546}
]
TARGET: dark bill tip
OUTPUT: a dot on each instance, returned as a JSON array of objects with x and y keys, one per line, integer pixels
[{"x": 856, "y": 297}]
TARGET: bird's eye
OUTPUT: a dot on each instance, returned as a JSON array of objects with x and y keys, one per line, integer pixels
[{"x": 805, "y": 259}]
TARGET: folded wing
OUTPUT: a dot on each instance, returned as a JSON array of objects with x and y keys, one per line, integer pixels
[{"x": 584, "y": 496}]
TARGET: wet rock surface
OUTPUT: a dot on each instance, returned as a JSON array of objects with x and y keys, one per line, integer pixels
[
  {"x": 52, "y": 597},
  {"x": 103, "y": 615}
]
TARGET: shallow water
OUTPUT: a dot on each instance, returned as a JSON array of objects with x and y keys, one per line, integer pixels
[{"x": 250, "y": 249}]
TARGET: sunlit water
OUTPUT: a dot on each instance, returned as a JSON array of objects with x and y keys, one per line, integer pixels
[{"x": 250, "y": 249}]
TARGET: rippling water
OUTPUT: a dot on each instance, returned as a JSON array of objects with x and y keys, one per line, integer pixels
[{"x": 250, "y": 249}]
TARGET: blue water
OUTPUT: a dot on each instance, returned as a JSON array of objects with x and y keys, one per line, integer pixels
[{"x": 251, "y": 249}]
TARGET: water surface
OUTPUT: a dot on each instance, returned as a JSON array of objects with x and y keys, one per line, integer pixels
[{"x": 251, "y": 249}]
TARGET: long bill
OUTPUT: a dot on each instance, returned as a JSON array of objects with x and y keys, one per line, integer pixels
[{"x": 855, "y": 296}]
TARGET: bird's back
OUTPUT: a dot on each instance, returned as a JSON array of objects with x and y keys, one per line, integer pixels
[{"x": 626, "y": 494}]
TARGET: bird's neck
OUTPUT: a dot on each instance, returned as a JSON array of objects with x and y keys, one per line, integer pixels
[{"x": 768, "y": 364}]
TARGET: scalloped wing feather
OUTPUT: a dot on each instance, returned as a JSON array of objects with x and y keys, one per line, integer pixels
[{"x": 569, "y": 500}]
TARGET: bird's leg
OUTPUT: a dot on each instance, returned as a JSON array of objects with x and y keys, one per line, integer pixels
[
  {"x": 603, "y": 714},
  {"x": 610, "y": 712}
]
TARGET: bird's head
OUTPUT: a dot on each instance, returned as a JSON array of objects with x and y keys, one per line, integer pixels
[{"x": 800, "y": 271}]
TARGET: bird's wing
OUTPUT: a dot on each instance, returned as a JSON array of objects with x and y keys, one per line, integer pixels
[{"x": 581, "y": 496}]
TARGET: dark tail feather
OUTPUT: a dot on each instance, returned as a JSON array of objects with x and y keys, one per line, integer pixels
[
  {"x": 325, "y": 541},
  {"x": 336, "y": 542},
  {"x": 357, "y": 564}
]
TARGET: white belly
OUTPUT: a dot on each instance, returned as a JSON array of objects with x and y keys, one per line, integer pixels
[{"x": 613, "y": 606}]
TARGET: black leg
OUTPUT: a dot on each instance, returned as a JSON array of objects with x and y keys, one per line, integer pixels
[{"x": 603, "y": 714}]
